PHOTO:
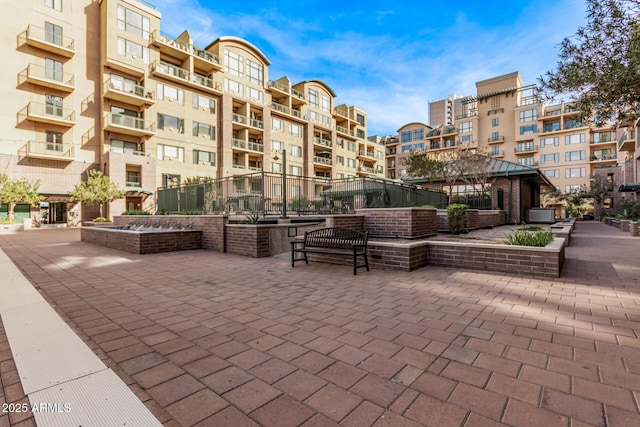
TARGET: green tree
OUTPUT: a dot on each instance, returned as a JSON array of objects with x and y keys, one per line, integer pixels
[
  {"x": 98, "y": 189},
  {"x": 598, "y": 66},
  {"x": 14, "y": 191}
]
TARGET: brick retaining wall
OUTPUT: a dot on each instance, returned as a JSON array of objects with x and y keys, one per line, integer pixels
[
  {"x": 400, "y": 222},
  {"x": 142, "y": 243}
]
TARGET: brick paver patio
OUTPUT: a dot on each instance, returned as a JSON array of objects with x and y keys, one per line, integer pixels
[{"x": 210, "y": 339}]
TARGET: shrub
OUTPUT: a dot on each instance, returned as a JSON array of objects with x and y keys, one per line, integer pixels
[
  {"x": 101, "y": 219},
  {"x": 522, "y": 237},
  {"x": 7, "y": 220},
  {"x": 136, "y": 212},
  {"x": 457, "y": 214}
]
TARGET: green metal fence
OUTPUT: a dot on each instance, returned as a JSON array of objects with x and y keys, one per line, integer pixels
[{"x": 263, "y": 193}]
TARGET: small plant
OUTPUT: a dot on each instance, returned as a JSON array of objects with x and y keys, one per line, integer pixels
[
  {"x": 457, "y": 214},
  {"x": 7, "y": 220},
  {"x": 136, "y": 212},
  {"x": 251, "y": 218},
  {"x": 523, "y": 237},
  {"x": 101, "y": 219},
  {"x": 194, "y": 212}
]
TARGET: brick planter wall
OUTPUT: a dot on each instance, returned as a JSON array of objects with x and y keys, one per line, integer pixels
[
  {"x": 475, "y": 219},
  {"x": 142, "y": 243},
  {"x": 542, "y": 262},
  {"x": 212, "y": 226},
  {"x": 400, "y": 222},
  {"x": 352, "y": 222},
  {"x": 248, "y": 240}
]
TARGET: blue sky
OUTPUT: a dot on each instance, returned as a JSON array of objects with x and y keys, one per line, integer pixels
[{"x": 389, "y": 58}]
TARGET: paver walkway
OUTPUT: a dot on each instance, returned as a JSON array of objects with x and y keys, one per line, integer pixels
[{"x": 215, "y": 339}]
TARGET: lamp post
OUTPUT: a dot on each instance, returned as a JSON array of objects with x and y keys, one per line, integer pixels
[{"x": 284, "y": 182}]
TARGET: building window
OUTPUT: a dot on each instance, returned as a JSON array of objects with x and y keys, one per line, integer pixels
[
  {"x": 255, "y": 94},
  {"x": 53, "y": 33},
  {"x": 406, "y": 136},
  {"x": 607, "y": 203},
  {"x": 205, "y": 157},
  {"x": 133, "y": 179},
  {"x": 277, "y": 145},
  {"x": 170, "y": 93},
  {"x": 550, "y": 158},
  {"x": 574, "y": 139},
  {"x": 351, "y": 146},
  {"x": 53, "y": 69},
  {"x": 495, "y": 122},
  {"x": 313, "y": 98},
  {"x": 234, "y": 87},
  {"x": 276, "y": 167},
  {"x": 572, "y": 124},
  {"x": 54, "y": 4},
  {"x": 548, "y": 142},
  {"x": 552, "y": 173},
  {"x": 325, "y": 103},
  {"x": 466, "y": 139},
  {"x": 465, "y": 127},
  {"x": 295, "y": 151},
  {"x": 419, "y": 146},
  {"x": 54, "y": 140},
  {"x": 575, "y": 172},
  {"x": 599, "y": 137},
  {"x": 133, "y": 22},
  {"x": 340, "y": 160},
  {"x": 170, "y": 123},
  {"x": 528, "y": 115},
  {"x": 233, "y": 63},
  {"x": 495, "y": 102},
  {"x": 351, "y": 163},
  {"x": 380, "y": 154},
  {"x": 277, "y": 125},
  {"x": 53, "y": 105},
  {"x": 495, "y": 150},
  {"x": 127, "y": 47},
  {"x": 326, "y": 121},
  {"x": 418, "y": 134},
  {"x": 170, "y": 152},
  {"x": 124, "y": 147},
  {"x": 169, "y": 180},
  {"x": 255, "y": 72},
  {"x": 527, "y": 161},
  {"x": 360, "y": 120},
  {"x": 572, "y": 156},
  {"x": 295, "y": 170},
  {"x": 360, "y": 133},
  {"x": 573, "y": 189},
  {"x": 203, "y": 102},
  {"x": 528, "y": 128},
  {"x": 406, "y": 148},
  {"x": 551, "y": 127},
  {"x": 295, "y": 130},
  {"x": 205, "y": 130},
  {"x": 495, "y": 136}
]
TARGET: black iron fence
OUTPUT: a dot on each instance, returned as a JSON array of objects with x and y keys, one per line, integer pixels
[
  {"x": 262, "y": 193},
  {"x": 490, "y": 199}
]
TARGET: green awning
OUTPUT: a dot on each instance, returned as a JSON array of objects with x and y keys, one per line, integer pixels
[{"x": 629, "y": 188}]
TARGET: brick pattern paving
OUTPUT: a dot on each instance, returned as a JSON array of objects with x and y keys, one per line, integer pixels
[{"x": 205, "y": 338}]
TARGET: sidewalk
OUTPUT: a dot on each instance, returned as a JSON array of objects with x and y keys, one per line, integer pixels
[{"x": 204, "y": 338}]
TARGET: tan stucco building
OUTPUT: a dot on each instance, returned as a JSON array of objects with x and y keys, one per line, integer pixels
[{"x": 100, "y": 86}]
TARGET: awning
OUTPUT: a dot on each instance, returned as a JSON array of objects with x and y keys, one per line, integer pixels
[
  {"x": 138, "y": 190},
  {"x": 629, "y": 188}
]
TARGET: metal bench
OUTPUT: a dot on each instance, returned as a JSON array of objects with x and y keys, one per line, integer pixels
[{"x": 332, "y": 241}]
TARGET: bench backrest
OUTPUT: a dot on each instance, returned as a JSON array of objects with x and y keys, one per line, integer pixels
[{"x": 334, "y": 237}]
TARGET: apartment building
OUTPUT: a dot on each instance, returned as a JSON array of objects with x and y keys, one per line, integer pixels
[
  {"x": 100, "y": 86},
  {"x": 506, "y": 120}
]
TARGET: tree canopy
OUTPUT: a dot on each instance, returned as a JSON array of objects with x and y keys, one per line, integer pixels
[
  {"x": 21, "y": 190},
  {"x": 599, "y": 66},
  {"x": 98, "y": 189}
]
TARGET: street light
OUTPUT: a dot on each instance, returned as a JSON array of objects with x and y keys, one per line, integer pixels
[{"x": 284, "y": 181}]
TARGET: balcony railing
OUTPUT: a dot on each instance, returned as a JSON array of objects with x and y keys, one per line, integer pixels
[
  {"x": 49, "y": 150},
  {"x": 281, "y": 108},
  {"x": 525, "y": 149},
  {"x": 297, "y": 94},
  {"x": 322, "y": 141},
  {"x": 121, "y": 150},
  {"x": 367, "y": 169},
  {"x": 497, "y": 138},
  {"x": 43, "y": 76},
  {"x": 369, "y": 155},
  {"x": 132, "y": 184},
  {"x": 322, "y": 160},
  {"x": 185, "y": 47},
  {"x": 51, "y": 114},
  {"x": 627, "y": 141},
  {"x": 134, "y": 125},
  {"x": 128, "y": 92},
  {"x": 247, "y": 145},
  {"x": 171, "y": 71},
  {"x": 603, "y": 156},
  {"x": 607, "y": 139},
  {"x": 256, "y": 123},
  {"x": 279, "y": 86},
  {"x": 50, "y": 41}
]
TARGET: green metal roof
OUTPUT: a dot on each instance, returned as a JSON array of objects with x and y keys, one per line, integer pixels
[
  {"x": 138, "y": 190},
  {"x": 629, "y": 188}
]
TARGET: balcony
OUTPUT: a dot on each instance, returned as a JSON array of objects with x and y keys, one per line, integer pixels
[
  {"x": 366, "y": 155},
  {"x": 322, "y": 161},
  {"x": 298, "y": 96},
  {"x": 51, "y": 114},
  {"x": 627, "y": 141},
  {"x": 182, "y": 76},
  {"x": 179, "y": 49},
  {"x": 322, "y": 141},
  {"x": 603, "y": 156},
  {"x": 497, "y": 154},
  {"x": 285, "y": 110},
  {"x": 602, "y": 139},
  {"x": 247, "y": 145},
  {"x": 47, "y": 77},
  {"x": 278, "y": 86},
  {"x": 343, "y": 130},
  {"x": 496, "y": 139},
  {"x": 129, "y": 125},
  {"x": 49, "y": 41},
  {"x": 129, "y": 93},
  {"x": 526, "y": 149},
  {"x": 48, "y": 151},
  {"x": 369, "y": 170}
]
